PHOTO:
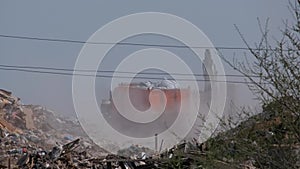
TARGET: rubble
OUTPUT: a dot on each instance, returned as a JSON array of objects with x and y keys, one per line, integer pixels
[
  {"x": 68, "y": 156},
  {"x": 30, "y": 129},
  {"x": 33, "y": 137}
]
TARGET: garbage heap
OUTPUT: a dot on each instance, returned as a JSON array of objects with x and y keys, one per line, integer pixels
[
  {"x": 28, "y": 129},
  {"x": 33, "y": 137}
]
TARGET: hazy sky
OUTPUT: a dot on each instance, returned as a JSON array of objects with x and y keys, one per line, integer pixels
[{"x": 78, "y": 20}]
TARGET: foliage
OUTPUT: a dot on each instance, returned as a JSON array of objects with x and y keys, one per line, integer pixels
[{"x": 270, "y": 139}]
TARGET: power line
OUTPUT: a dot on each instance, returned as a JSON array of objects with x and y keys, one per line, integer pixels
[
  {"x": 129, "y": 43},
  {"x": 110, "y": 76},
  {"x": 109, "y": 43},
  {"x": 112, "y": 71}
]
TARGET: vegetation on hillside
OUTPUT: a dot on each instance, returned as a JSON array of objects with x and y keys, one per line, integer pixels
[{"x": 270, "y": 139}]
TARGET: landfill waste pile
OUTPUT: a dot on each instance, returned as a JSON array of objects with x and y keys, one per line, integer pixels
[
  {"x": 35, "y": 137},
  {"x": 27, "y": 129}
]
